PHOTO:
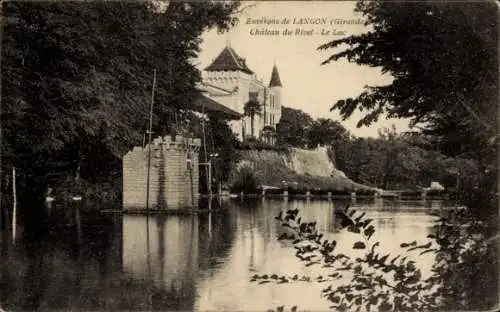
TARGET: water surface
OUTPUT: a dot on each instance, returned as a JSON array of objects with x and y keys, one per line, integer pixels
[{"x": 204, "y": 262}]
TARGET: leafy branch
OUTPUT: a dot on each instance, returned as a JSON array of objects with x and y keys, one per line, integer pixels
[{"x": 376, "y": 281}]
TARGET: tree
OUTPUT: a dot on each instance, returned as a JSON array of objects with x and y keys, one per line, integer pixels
[
  {"x": 293, "y": 127},
  {"x": 79, "y": 75},
  {"x": 223, "y": 142},
  {"x": 252, "y": 108},
  {"x": 269, "y": 134},
  {"x": 366, "y": 161},
  {"x": 325, "y": 131},
  {"x": 402, "y": 161},
  {"x": 443, "y": 57}
]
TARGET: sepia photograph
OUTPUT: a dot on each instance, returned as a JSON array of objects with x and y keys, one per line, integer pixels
[{"x": 225, "y": 155}]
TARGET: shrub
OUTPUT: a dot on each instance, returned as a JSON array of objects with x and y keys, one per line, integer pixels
[
  {"x": 384, "y": 282},
  {"x": 431, "y": 193},
  {"x": 245, "y": 181},
  {"x": 256, "y": 144}
]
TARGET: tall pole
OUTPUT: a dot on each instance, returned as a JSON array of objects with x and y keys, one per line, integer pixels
[
  {"x": 149, "y": 139},
  {"x": 14, "y": 205},
  {"x": 209, "y": 182},
  {"x": 1, "y": 209},
  {"x": 265, "y": 103},
  {"x": 210, "y": 178}
]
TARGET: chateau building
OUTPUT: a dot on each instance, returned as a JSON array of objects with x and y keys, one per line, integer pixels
[{"x": 229, "y": 82}]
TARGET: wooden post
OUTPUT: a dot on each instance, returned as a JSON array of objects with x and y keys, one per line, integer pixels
[
  {"x": 14, "y": 205},
  {"x": 210, "y": 178},
  {"x": 149, "y": 139},
  {"x": 1, "y": 212},
  {"x": 190, "y": 169},
  {"x": 78, "y": 223},
  {"x": 209, "y": 219}
]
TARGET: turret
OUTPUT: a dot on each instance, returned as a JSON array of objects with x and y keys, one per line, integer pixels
[
  {"x": 275, "y": 78},
  {"x": 275, "y": 87}
]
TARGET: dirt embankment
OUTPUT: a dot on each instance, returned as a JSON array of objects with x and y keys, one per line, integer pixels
[{"x": 296, "y": 169}]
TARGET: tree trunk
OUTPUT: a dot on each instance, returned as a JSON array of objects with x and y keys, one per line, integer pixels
[
  {"x": 251, "y": 125},
  {"x": 78, "y": 163},
  {"x": 32, "y": 206}
]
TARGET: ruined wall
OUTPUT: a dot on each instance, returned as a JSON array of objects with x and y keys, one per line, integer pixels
[{"x": 174, "y": 174}]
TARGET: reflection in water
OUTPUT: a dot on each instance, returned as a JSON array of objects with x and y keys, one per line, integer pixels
[
  {"x": 204, "y": 262},
  {"x": 173, "y": 250}
]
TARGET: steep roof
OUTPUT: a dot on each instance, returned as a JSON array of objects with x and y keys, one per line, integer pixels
[
  {"x": 275, "y": 78},
  {"x": 205, "y": 104},
  {"x": 229, "y": 60},
  {"x": 212, "y": 89}
]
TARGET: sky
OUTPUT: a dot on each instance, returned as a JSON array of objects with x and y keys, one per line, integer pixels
[{"x": 307, "y": 85}]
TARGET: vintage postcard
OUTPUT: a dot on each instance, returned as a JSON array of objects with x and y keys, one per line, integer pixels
[{"x": 249, "y": 156}]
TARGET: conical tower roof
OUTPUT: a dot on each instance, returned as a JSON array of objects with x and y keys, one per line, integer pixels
[
  {"x": 229, "y": 60},
  {"x": 275, "y": 78}
]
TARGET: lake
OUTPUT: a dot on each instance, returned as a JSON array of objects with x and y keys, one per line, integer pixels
[{"x": 192, "y": 262}]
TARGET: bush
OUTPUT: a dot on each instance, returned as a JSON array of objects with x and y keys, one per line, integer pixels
[
  {"x": 245, "y": 181},
  {"x": 390, "y": 282},
  {"x": 274, "y": 191},
  {"x": 365, "y": 192},
  {"x": 256, "y": 144},
  {"x": 432, "y": 193}
]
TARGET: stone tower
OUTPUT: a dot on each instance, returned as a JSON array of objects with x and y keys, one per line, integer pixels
[{"x": 174, "y": 175}]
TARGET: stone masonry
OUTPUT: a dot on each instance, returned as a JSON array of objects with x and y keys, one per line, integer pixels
[{"x": 174, "y": 174}]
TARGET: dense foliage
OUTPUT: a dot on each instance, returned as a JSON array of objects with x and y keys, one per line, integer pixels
[
  {"x": 399, "y": 161},
  {"x": 77, "y": 78},
  {"x": 292, "y": 128},
  {"x": 443, "y": 58},
  {"x": 219, "y": 146},
  {"x": 390, "y": 161},
  {"x": 326, "y": 132},
  {"x": 252, "y": 108}
]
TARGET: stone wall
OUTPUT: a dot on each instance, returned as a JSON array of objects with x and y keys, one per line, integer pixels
[{"x": 174, "y": 174}]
